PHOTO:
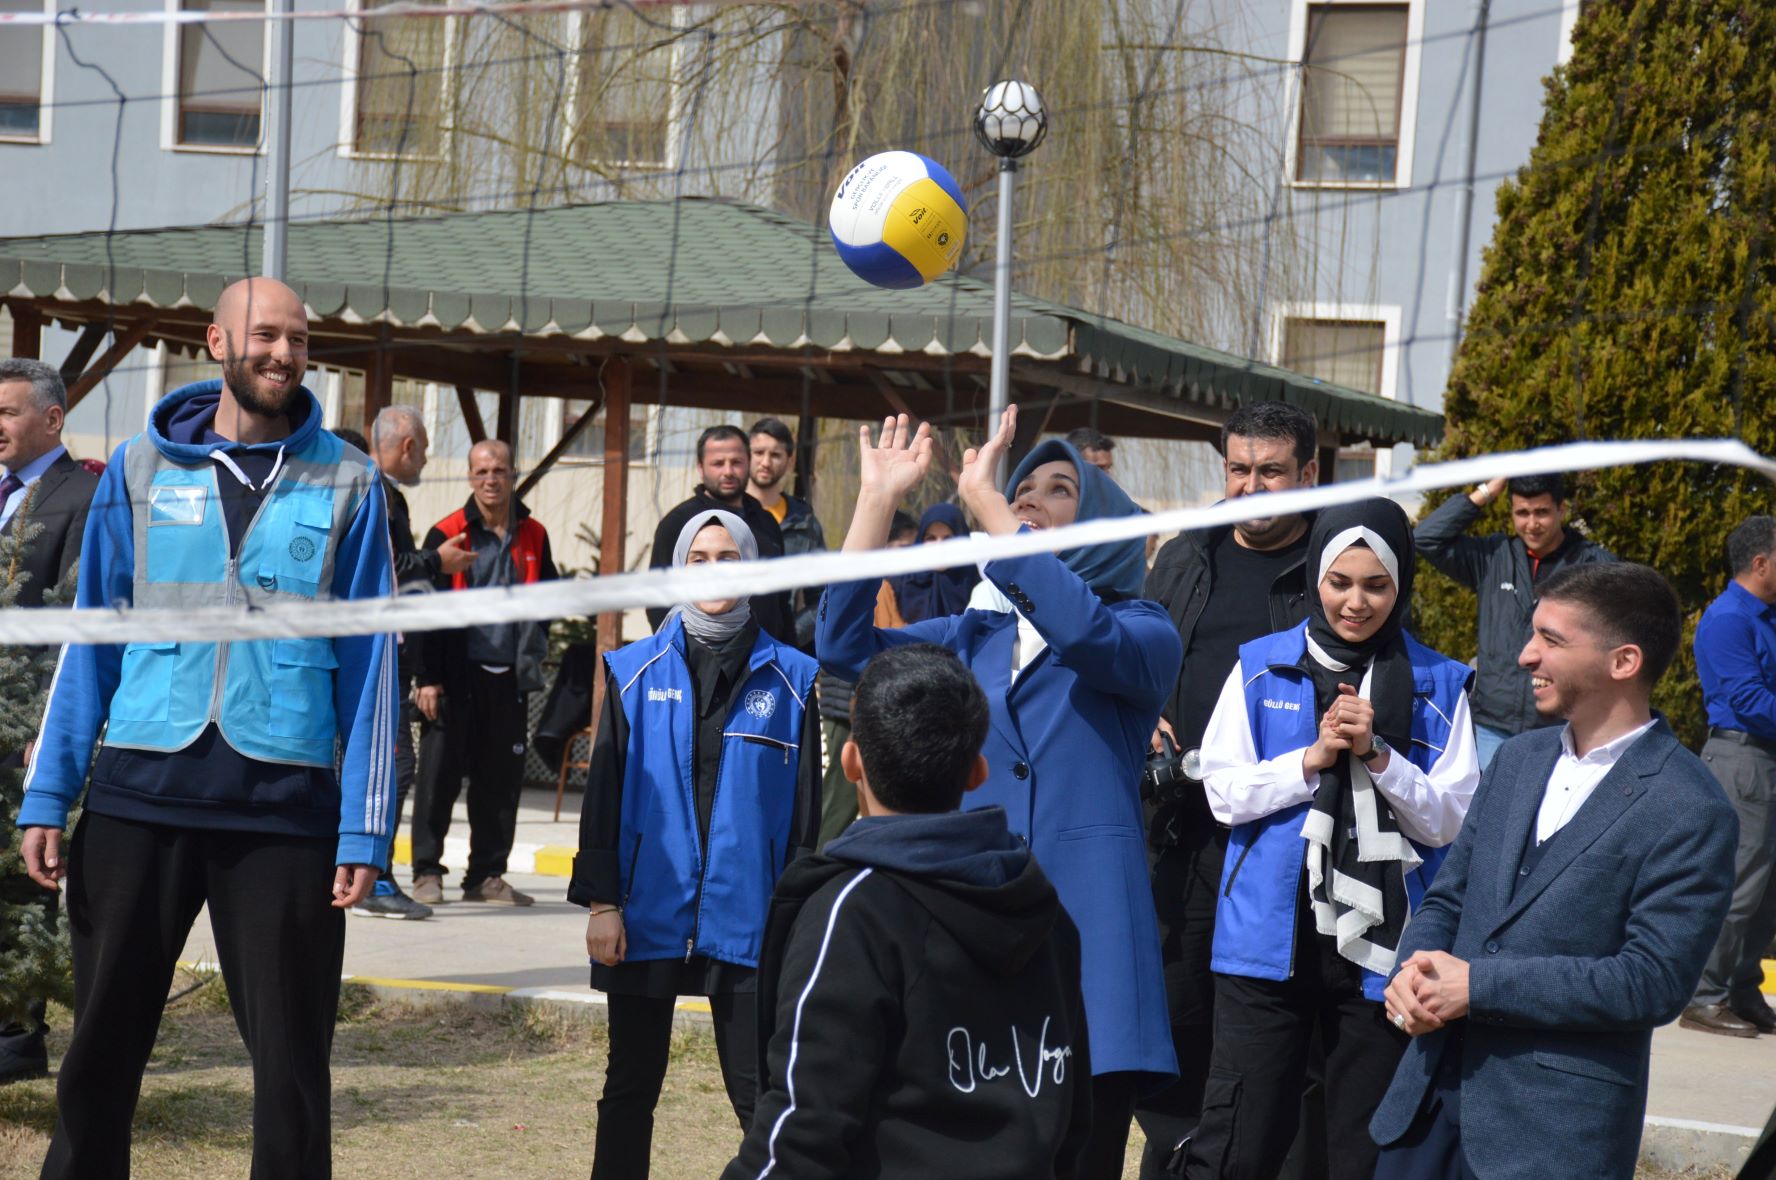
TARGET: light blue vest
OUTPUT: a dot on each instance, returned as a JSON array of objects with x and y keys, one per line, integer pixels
[
  {"x": 679, "y": 897},
  {"x": 1267, "y": 858},
  {"x": 272, "y": 699}
]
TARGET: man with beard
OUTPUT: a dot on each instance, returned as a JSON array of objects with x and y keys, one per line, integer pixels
[
  {"x": 398, "y": 443},
  {"x": 722, "y": 465},
  {"x": 772, "y": 451},
  {"x": 251, "y": 776}
]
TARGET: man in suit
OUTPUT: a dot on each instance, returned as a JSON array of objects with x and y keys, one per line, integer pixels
[
  {"x": 33, "y": 406},
  {"x": 58, "y": 491},
  {"x": 1572, "y": 917}
]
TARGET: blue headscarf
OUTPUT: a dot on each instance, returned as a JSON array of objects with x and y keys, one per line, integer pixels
[
  {"x": 933, "y": 594},
  {"x": 1119, "y": 567}
]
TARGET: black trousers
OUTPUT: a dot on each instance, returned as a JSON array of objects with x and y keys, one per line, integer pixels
[
  {"x": 640, "y": 1044},
  {"x": 133, "y": 892},
  {"x": 480, "y": 732},
  {"x": 1186, "y": 881},
  {"x": 1264, "y": 1031},
  {"x": 1113, "y": 1103},
  {"x": 405, "y": 762}
]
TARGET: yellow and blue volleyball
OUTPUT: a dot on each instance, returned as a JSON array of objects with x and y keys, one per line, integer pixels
[{"x": 898, "y": 220}]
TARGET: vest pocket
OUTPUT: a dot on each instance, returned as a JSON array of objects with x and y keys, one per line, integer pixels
[
  {"x": 295, "y": 546},
  {"x": 302, "y": 687},
  {"x": 145, "y": 689}
]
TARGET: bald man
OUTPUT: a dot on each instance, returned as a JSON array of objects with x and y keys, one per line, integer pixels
[
  {"x": 251, "y": 776},
  {"x": 472, "y": 688}
]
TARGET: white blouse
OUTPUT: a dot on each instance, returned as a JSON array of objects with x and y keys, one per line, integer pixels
[{"x": 1429, "y": 806}]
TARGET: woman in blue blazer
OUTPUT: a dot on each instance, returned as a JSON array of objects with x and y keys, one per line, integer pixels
[{"x": 1076, "y": 675}]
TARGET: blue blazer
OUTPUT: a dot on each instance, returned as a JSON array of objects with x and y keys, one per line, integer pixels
[
  {"x": 1065, "y": 752},
  {"x": 1572, "y": 966}
]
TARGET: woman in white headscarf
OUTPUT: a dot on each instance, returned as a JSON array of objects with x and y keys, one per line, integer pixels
[{"x": 704, "y": 785}]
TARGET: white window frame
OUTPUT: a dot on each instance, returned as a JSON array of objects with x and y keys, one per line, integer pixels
[
  {"x": 45, "y": 107},
  {"x": 348, "y": 93},
  {"x": 169, "y": 86},
  {"x": 1403, "y": 156},
  {"x": 1569, "y": 18},
  {"x": 1386, "y": 314},
  {"x": 675, "y": 102}
]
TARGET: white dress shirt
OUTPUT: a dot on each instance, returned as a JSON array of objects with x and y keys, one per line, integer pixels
[
  {"x": 1574, "y": 779},
  {"x": 1429, "y": 806}
]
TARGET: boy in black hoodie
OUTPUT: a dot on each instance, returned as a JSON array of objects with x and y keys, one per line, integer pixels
[{"x": 919, "y": 1003}]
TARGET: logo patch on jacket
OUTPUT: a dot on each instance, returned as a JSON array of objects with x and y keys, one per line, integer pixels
[
  {"x": 666, "y": 694},
  {"x": 1271, "y": 703},
  {"x": 760, "y": 703},
  {"x": 176, "y": 505},
  {"x": 302, "y": 548}
]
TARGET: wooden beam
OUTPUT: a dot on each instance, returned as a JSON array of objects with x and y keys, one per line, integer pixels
[
  {"x": 576, "y": 428},
  {"x": 75, "y": 362},
  {"x": 614, "y": 528},
  {"x": 507, "y": 425},
  {"x": 379, "y": 383},
  {"x": 27, "y": 331},
  {"x": 124, "y": 344},
  {"x": 471, "y": 412}
]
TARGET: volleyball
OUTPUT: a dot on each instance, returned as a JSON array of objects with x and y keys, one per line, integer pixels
[{"x": 898, "y": 220}]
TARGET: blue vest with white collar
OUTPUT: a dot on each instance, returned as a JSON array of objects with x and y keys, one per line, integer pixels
[
  {"x": 679, "y": 897},
  {"x": 1261, "y": 883}
]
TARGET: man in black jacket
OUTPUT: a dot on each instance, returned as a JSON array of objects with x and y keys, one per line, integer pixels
[
  {"x": 1223, "y": 587},
  {"x": 919, "y": 1004},
  {"x": 1503, "y": 570},
  {"x": 46, "y": 489},
  {"x": 723, "y": 462},
  {"x": 772, "y": 451}
]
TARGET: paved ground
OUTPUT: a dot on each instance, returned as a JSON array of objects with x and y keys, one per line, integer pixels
[{"x": 1695, "y": 1077}]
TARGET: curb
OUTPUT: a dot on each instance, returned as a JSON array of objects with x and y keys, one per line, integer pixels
[
  {"x": 1680, "y": 1144},
  {"x": 540, "y": 860}
]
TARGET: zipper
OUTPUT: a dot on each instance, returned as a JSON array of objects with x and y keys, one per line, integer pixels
[
  {"x": 759, "y": 740},
  {"x": 703, "y": 852},
  {"x": 634, "y": 862},
  {"x": 230, "y": 575},
  {"x": 1227, "y": 891}
]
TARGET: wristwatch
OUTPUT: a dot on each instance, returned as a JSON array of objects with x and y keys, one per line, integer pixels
[{"x": 1377, "y": 749}]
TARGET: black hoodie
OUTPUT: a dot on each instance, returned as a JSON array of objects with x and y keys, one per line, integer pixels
[{"x": 919, "y": 1011}]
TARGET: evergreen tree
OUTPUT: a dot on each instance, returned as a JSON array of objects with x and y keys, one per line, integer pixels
[
  {"x": 1627, "y": 293},
  {"x": 34, "y": 962}
]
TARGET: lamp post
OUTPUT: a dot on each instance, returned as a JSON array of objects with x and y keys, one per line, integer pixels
[{"x": 1010, "y": 122}]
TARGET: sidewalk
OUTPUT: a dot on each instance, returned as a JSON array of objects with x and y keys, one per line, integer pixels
[{"x": 1709, "y": 1095}]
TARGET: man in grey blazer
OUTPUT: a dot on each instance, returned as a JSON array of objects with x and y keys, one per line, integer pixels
[{"x": 1572, "y": 917}]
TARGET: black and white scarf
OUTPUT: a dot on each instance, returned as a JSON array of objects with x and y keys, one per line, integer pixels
[{"x": 1357, "y": 857}]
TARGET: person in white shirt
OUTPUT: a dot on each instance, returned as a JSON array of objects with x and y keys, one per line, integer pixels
[
  {"x": 1571, "y": 917},
  {"x": 1342, "y": 755}
]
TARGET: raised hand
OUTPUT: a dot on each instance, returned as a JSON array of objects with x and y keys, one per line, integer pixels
[
  {"x": 894, "y": 466},
  {"x": 980, "y": 465}
]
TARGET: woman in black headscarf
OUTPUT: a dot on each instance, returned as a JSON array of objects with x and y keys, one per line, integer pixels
[{"x": 1342, "y": 755}]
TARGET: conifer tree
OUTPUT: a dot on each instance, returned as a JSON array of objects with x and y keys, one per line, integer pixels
[
  {"x": 34, "y": 959},
  {"x": 1627, "y": 293}
]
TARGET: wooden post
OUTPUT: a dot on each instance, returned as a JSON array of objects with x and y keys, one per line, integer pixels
[
  {"x": 27, "y": 331},
  {"x": 82, "y": 384},
  {"x": 506, "y": 429},
  {"x": 471, "y": 412},
  {"x": 379, "y": 382},
  {"x": 615, "y": 527}
]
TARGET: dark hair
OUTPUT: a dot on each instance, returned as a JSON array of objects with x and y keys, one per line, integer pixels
[
  {"x": 776, "y": 429},
  {"x": 901, "y": 525},
  {"x": 1531, "y": 486},
  {"x": 47, "y": 388},
  {"x": 1755, "y": 537},
  {"x": 1624, "y": 603},
  {"x": 1086, "y": 438},
  {"x": 353, "y": 437},
  {"x": 1274, "y": 420},
  {"x": 722, "y": 433},
  {"x": 919, "y": 720}
]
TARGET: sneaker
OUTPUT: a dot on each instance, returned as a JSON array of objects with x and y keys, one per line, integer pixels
[
  {"x": 392, "y": 905},
  {"x": 496, "y": 891},
  {"x": 428, "y": 889},
  {"x": 23, "y": 1058}
]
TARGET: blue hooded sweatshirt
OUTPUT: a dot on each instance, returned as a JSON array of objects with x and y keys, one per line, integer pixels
[{"x": 209, "y": 784}]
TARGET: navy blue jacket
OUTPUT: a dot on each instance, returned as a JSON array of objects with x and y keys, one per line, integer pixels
[
  {"x": 1572, "y": 966},
  {"x": 1065, "y": 752}
]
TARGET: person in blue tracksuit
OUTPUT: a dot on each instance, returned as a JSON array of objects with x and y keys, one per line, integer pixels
[
  {"x": 251, "y": 776},
  {"x": 1075, "y": 675},
  {"x": 704, "y": 785},
  {"x": 1342, "y": 754}
]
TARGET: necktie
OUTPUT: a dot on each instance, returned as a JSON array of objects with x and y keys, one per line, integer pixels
[{"x": 8, "y": 486}]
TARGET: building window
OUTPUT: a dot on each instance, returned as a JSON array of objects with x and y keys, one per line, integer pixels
[
  {"x": 623, "y": 88},
  {"x": 590, "y": 443},
  {"x": 401, "y": 94},
  {"x": 1354, "y": 66},
  {"x": 221, "y": 67},
  {"x": 21, "y": 74},
  {"x": 1338, "y": 352}
]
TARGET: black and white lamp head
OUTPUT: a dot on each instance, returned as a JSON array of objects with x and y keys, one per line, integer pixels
[{"x": 1010, "y": 121}]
